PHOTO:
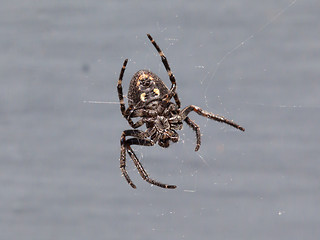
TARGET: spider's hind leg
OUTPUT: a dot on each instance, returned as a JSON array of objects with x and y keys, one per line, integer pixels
[{"x": 195, "y": 128}]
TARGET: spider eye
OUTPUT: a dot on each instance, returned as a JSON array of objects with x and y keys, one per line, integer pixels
[
  {"x": 143, "y": 97},
  {"x": 156, "y": 91}
]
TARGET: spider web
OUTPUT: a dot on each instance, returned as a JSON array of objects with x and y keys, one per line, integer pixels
[
  {"x": 210, "y": 76},
  {"x": 206, "y": 81}
]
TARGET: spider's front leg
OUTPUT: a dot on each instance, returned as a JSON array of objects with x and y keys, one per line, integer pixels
[
  {"x": 119, "y": 87},
  {"x": 140, "y": 139},
  {"x": 126, "y": 112},
  {"x": 168, "y": 69},
  {"x": 184, "y": 113}
]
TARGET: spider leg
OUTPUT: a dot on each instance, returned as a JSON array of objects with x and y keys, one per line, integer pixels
[
  {"x": 165, "y": 63},
  {"x": 195, "y": 128},
  {"x": 170, "y": 74},
  {"x": 184, "y": 113},
  {"x": 143, "y": 173},
  {"x": 140, "y": 139},
  {"x": 123, "y": 143},
  {"x": 125, "y": 112},
  {"x": 176, "y": 98},
  {"x": 119, "y": 87},
  {"x": 137, "y": 124}
]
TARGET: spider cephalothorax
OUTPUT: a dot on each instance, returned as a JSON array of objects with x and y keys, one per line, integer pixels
[{"x": 150, "y": 99}]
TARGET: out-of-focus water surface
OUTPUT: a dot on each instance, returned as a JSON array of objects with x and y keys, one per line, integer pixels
[{"x": 256, "y": 62}]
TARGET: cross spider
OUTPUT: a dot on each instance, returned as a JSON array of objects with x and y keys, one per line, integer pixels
[{"x": 150, "y": 99}]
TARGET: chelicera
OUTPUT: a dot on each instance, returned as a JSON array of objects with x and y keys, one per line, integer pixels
[{"x": 151, "y": 100}]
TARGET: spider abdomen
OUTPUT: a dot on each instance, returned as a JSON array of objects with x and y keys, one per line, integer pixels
[{"x": 145, "y": 86}]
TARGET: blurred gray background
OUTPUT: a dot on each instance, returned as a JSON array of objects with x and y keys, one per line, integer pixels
[{"x": 256, "y": 62}]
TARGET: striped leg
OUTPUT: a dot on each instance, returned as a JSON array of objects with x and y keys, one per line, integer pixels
[
  {"x": 176, "y": 98},
  {"x": 125, "y": 112},
  {"x": 143, "y": 173},
  {"x": 195, "y": 128},
  {"x": 140, "y": 139},
  {"x": 171, "y": 76},
  {"x": 184, "y": 113},
  {"x": 125, "y": 143},
  {"x": 165, "y": 63},
  {"x": 119, "y": 87}
]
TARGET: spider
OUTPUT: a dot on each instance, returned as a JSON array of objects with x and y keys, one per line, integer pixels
[{"x": 151, "y": 100}]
